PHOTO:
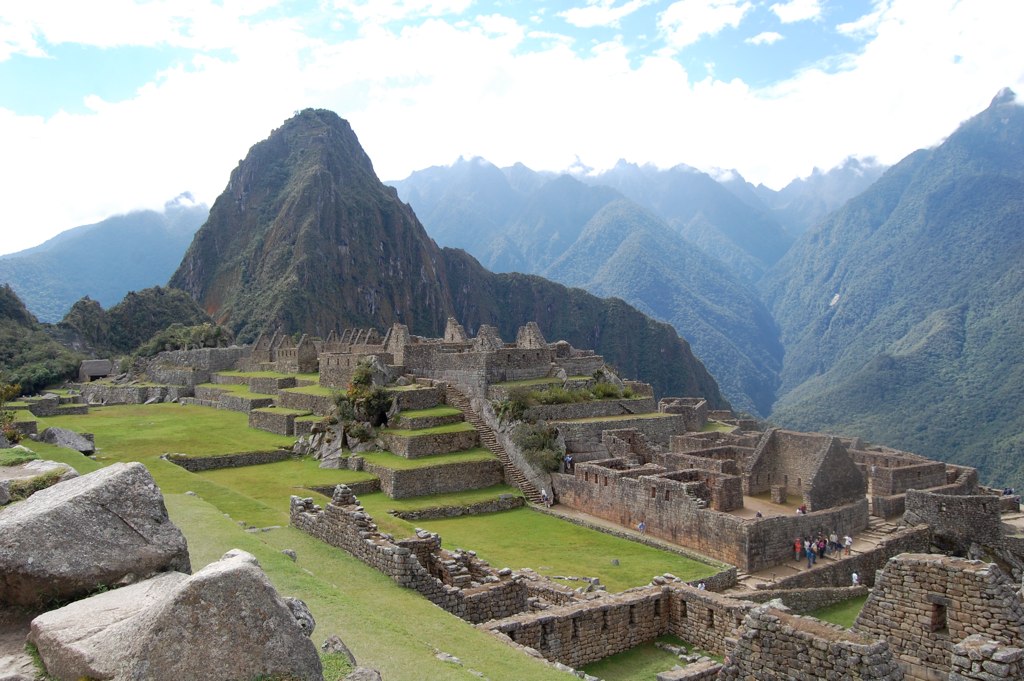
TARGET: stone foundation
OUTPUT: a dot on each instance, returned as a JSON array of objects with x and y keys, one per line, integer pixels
[
  {"x": 208, "y": 463},
  {"x": 429, "y": 444},
  {"x": 454, "y": 477}
]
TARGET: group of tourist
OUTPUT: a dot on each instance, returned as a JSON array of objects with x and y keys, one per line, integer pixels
[{"x": 815, "y": 548}]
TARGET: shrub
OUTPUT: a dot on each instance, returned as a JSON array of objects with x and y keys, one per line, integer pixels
[
  {"x": 539, "y": 444},
  {"x": 604, "y": 390}
]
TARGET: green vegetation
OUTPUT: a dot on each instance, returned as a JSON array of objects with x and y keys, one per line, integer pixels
[
  {"x": 843, "y": 613},
  {"x": 177, "y": 336},
  {"x": 642, "y": 663},
  {"x": 389, "y": 460},
  {"x": 318, "y": 390},
  {"x": 427, "y": 413},
  {"x": 28, "y": 355},
  {"x": 7, "y": 418},
  {"x": 26, "y": 487},
  {"x": 16, "y": 457},
  {"x": 717, "y": 427},
  {"x": 526, "y": 538},
  {"x": 460, "y": 427},
  {"x": 363, "y": 402},
  {"x": 539, "y": 444}
]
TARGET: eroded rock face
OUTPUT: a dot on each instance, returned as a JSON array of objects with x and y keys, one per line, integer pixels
[
  {"x": 224, "y": 622},
  {"x": 26, "y": 472},
  {"x": 102, "y": 529}
]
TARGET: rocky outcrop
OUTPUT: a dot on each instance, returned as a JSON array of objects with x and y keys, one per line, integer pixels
[
  {"x": 25, "y": 478},
  {"x": 224, "y": 622},
  {"x": 68, "y": 439},
  {"x": 102, "y": 529}
]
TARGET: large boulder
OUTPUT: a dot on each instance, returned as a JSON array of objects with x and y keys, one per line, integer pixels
[
  {"x": 99, "y": 530},
  {"x": 224, "y": 622},
  {"x": 68, "y": 439}
]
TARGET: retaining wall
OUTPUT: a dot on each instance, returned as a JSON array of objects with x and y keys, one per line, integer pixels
[
  {"x": 454, "y": 477},
  {"x": 207, "y": 463}
]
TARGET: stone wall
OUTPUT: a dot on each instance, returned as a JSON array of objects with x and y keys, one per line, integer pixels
[
  {"x": 977, "y": 517},
  {"x": 585, "y": 436},
  {"x": 279, "y": 421},
  {"x": 507, "y": 502},
  {"x": 924, "y": 604},
  {"x": 342, "y": 523},
  {"x": 420, "y": 397},
  {"x": 693, "y": 409},
  {"x": 979, "y": 659},
  {"x": 769, "y": 540},
  {"x": 191, "y": 367},
  {"x": 580, "y": 633},
  {"x": 706, "y": 619},
  {"x": 429, "y": 444},
  {"x": 243, "y": 403},
  {"x": 774, "y": 644},
  {"x": 103, "y": 393},
  {"x": 267, "y": 385},
  {"x": 322, "y": 405},
  {"x": 455, "y": 477},
  {"x": 807, "y": 600},
  {"x": 240, "y": 460},
  {"x": 591, "y": 409},
  {"x": 866, "y": 564}
]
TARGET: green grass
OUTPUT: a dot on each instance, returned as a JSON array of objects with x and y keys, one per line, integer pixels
[
  {"x": 717, "y": 427},
  {"x": 378, "y": 502},
  {"x": 527, "y": 538},
  {"x": 387, "y": 627},
  {"x": 318, "y": 390},
  {"x": 273, "y": 483},
  {"x": 239, "y": 389},
  {"x": 144, "y": 432},
  {"x": 460, "y": 427},
  {"x": 15, "y": 457},
  {"x": 642, "y": 663},
  {"x": 428, "y": 413},
  {"x": 80, "y": 462},
  {"x": 310, "y": 417},
  {"x": 389, "y": 460},
  {"x": 843, "y": 613}
]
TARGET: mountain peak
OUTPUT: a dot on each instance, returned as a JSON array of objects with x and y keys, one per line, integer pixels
[{"x": 1004, "y": 96}]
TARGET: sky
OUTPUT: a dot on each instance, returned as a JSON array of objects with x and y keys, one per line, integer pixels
[{"x": 115, "y": 105}]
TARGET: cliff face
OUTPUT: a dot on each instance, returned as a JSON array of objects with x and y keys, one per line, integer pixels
[{"x": 306, "y": 238}]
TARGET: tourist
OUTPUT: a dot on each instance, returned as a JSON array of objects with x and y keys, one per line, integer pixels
[
  {"x": 848, "y": 543},
  {"x": 544, "y": 498},
  {"x": 833, "y": 542},
  {"x": 812, "y": 556},
  {"x": 642, "y": 527},
  {"x": 822, "y": 544},
  {"x": 798, "y": 548},
  {"x": 701, "y": 586},
  {"x": 855, "y": 578},
  {"x": 758, "y": 515}
]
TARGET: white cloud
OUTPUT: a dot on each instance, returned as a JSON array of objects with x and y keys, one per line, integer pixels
[
  {"x": 687, "y": 21},
  {"x": 764, "y": 38},
  {"x": 868, "y": 24},
  {"x": 425, "y": 93},
  {"x": 797, "y": 10},
  {"x": 388, "y": 11},
  {"x": 601, "y": 13}
]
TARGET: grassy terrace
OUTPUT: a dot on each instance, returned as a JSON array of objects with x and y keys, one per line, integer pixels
[
  {"x": 717, "y": 427},
  {"x": 843, "y": 613},
  {"x": 389, "y": 460},
  {"x": 459, "y": 427},
  {"x": 426, "y": 413},
  {"x": 261, "y": 374},
  {"x": 239, "y": 389},
  {"x": 282, "y": 410},
  {"x": 642, "y": 663},
  {"x": 318, "y": 390},
  {"x": 387, "y": 627},
  {"x": 622, "y": 417},
  {"x": 532, "y": 382}
]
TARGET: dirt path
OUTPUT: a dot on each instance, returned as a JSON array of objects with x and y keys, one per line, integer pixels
[{"x": 14, "y": 626}]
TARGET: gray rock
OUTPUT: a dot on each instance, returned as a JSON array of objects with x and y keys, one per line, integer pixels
[
  {"x": 334, "y": 645},
  {"x": 98, "y": 530},
  {"x": 4, "y": 442},
  {"x": 291, "y": 554},
  {"x": 364, "y": 674},
  {"x": 28, "y": 470},
  {"x": 303, "y": 617},
  {"x": 225, "y": 622},
  {"x": 68, "y": 439}
]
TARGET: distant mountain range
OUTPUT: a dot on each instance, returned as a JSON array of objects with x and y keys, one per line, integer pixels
[
  {"x": 903, "y": 314},
  {"x": 105, "y": 260},
  {"x": 306, "y": 238}
]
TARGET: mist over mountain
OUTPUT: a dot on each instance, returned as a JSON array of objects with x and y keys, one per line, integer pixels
[
  {"x": 903, "y": 314},
  {"x": 805, "y": 202},
  {"x": 105, "y": 260},
  {"x": 306, "y": 238}
]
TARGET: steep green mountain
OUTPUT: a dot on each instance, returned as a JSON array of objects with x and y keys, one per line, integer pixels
[
  {"x": 627, "y": 252},
  {"x": 88, "y": 328},
  {"x": 103, "y": 261},
  {"x": 28, "y": 356},
  {"x": 903, "y": 314},
  {"x": 747, "y": 239},
  {"x": 305, "y": 237}
]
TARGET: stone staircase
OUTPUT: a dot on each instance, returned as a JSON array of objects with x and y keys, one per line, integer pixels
[{"x": 489, "y": 440}]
